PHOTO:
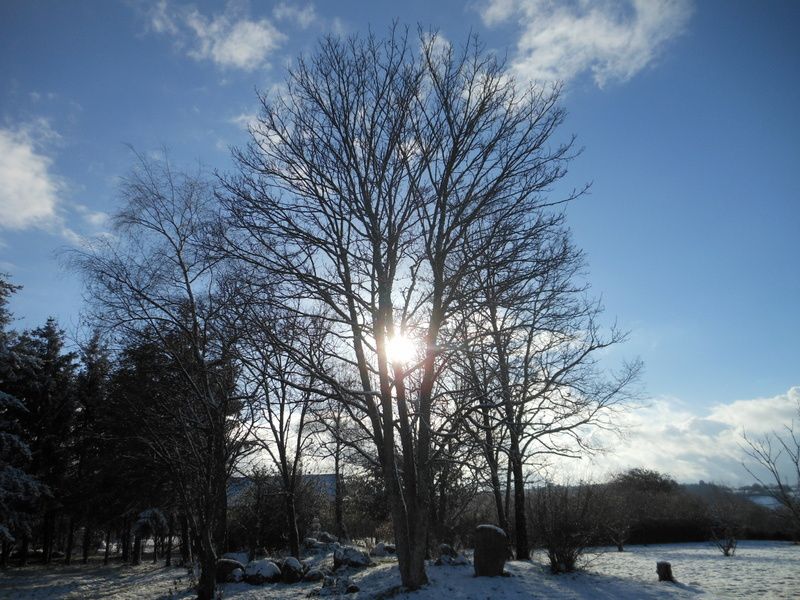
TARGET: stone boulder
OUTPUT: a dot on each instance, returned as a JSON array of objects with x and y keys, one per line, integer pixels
[
  {"x": 491, "y": 551},
  {"x": 350, "y": 557},
  {"x": 447, "y": 550},
  {"x": 327, "y": 538},
  {"x": 225, "y": 569},
  {"x": 382, "y": 549},
  {"x": 262, "y": 571},
  {"x": 291, "y": 570},
  {"x": 337, "y": 586},
  {"x": 445, "y": 560},
  {"x": 314, "y": 574}
]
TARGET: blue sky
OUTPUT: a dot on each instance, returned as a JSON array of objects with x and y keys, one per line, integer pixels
[{"x": 688, "y": 112}]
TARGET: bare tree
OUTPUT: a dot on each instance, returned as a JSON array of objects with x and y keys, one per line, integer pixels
[
  {"x": 367, "y": 187},
  {"x": 531, "y": 346},
  {"x": 778, "y": 454},
  {"x": 279, "y": 390},
  {"x": 155, "y": 279}
]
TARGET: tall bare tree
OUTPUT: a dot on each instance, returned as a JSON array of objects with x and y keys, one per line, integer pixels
[
  {"x": 531, "y": 347},
  {"x": 155, "y": 279},
  {"x": 366, "y": 188}
]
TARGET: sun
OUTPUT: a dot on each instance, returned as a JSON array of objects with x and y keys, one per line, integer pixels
[{"x": 400, "y": 349}]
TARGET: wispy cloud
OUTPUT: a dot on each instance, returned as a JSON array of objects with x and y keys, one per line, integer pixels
[
  {"x": 303, "y": 16},
  {"x": 611, "y": 39},
  {"x": 672, "y": 437},
  {"x": 231, "y": 39}
]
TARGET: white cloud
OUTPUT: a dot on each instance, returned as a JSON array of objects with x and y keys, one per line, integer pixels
[
  {"x": 671, "y": 437},
  {"x": 230, "y": 40},
  {"x": 29, "y": 191},
  {"x": 303, "y": 17},
  {"x": 239, "y": 43},
  {"x": 613, "y": 39}
]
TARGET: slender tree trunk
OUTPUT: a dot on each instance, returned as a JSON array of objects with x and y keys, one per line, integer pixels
[
  {"x": 70, "y": 541},
  {"x": 87, "y": 542},
  {"x": 508, "y": 494},
  {"x": 23, "y": 553},
  {"x": 6, "y": 553},
  {"x": 49, "y": 532},
  {"x": 170, "y": 535},
  {"x": 137, "y": 549},
  {"x": 291, "y": 517},
  {"x": 125, "y": 540},
  {"x": 520, "y": 520},
  {"x": 186, "y": 542},
  {"x": 341, "y": 532},
  {"x": 108, "y": 545}
]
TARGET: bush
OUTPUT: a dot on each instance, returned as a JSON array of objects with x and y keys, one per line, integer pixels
[{"x": 564, "y": 524}]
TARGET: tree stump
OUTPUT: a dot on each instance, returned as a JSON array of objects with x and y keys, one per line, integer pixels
[{"x": 664, "y": 570}]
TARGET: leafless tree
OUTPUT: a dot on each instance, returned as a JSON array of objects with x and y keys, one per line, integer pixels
[
  {"x": 154, "y": 278},
  {"x": 778, "y": 454},
  {"x": 367, "y": 188},
  {"x": 531, "y": 350},
  {"x": 279, "y": 390}
]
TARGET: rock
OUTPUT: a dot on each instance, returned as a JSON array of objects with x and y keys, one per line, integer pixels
[
  {"x": 310, "y": 543},
  {"x": 664, "y": 570},
  {"x": 291, "y": 570},
  {"x": 380, "y": 550},
  {"x": 327, "y": 538},
  {"x": 314, "y": 575},
  {"x": 447, "y": 550},
  {"x": 262, "y": 571},
  {"x": 336, "y": 586},
  {"x": 445, "y": 560},
  {"x": 351, "y": 557},
  {"x": 491, "y": 550},
  {"x": 242, "y": 557},
  {"x": 225, "y": 569},
  {"x": 237, "y": 575}
]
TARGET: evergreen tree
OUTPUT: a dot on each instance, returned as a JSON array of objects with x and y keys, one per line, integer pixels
[{"x": 19, "y": 489}]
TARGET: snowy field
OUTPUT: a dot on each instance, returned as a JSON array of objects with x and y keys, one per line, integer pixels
[{"x": 759, "y": 570}]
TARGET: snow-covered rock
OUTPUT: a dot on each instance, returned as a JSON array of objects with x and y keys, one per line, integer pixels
[
  {"x": 225, "y": 569},
  {"x": 327, "y": 538},
  {"x": 237, "y": 575},
  {"x": 351, "y": 557},
  {"x": 336, "y": 586},
  {"x": 382, "y": 549},
  {"x": 314, "y": 574},
  {"x": 261, "y": 571},
  {"x": 291, "y": 570},
  {"x": 445, "y": 560},
  {"x": 447, "y": 550}
]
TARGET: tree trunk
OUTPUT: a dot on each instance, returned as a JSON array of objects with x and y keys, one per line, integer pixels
[
  {"x": 291, "y": 518},
  {"x": 23, "y": 553},
  {"x": 208, "y": 566},
  {"x": 5, "y": 554},
  {"x": 70, "y": 541},
  {"x": 125, "y": 540},
  {"x": 341, "y": 532},
  {"x": 170, "y": 535},
  {"x": 520, "y": 520},
  {"x": 137, "y": 550},
  {"x": 108, "y": 545},
  {"x": 186, "y": 542},
  {"x": 48, "y": 534},
  {"x": 87, "y": 542}
]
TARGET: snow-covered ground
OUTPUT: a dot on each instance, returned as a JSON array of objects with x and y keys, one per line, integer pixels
[{"x": 758, "y": 570}]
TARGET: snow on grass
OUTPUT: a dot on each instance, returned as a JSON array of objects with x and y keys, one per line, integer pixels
[{"x": 758, "y": 570}]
